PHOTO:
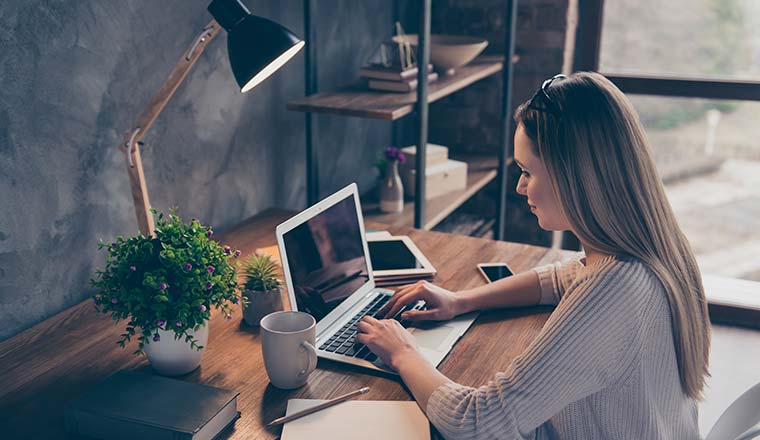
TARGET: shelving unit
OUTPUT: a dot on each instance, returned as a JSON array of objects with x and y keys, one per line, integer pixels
[{"x": 357, "y": 101}]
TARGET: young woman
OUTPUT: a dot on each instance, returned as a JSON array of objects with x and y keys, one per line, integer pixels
[{"x": 624, "y": 354}]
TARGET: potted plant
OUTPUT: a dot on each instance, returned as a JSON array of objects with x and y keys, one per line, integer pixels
[
  {"x": 262, "y": 288},
  {"x": 166, "y": 285}
]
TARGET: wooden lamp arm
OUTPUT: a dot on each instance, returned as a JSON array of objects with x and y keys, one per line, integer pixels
[{"x": 130, "y": 143}]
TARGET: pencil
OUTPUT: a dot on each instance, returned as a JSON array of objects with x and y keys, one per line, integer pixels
[{"x": 320, "y": 407}]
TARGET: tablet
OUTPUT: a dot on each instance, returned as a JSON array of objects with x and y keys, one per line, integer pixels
[{"x": 397, "y": 257}]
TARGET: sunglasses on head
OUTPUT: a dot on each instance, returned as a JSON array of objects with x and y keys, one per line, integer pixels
[{"x": 546, "y": 103}]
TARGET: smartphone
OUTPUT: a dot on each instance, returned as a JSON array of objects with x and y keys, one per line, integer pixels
[{"x": 494, "y": 271}]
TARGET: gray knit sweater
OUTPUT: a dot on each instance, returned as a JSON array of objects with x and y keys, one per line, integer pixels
[{"x": 603, "y": 367}]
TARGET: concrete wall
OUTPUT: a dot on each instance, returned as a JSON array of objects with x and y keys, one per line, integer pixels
[{"x": 76, "y": 74}]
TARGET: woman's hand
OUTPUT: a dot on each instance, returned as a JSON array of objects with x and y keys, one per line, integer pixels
[
  {"x": 388, "y": 339},
  {"x": 441, "y": 304}
]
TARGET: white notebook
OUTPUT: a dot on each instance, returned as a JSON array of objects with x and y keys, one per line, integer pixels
[{"x": 358, "y": 419}]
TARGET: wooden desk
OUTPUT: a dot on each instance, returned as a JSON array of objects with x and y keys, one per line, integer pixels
[{"x": 46, "y": 366}]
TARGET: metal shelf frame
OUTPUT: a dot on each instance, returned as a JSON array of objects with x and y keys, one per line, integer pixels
[{"x": 421, "y": 109}]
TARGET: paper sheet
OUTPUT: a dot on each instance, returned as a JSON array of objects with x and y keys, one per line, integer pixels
[{"x": 358, "y": 419}]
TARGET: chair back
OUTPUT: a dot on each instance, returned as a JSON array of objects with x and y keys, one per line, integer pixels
[{"x": 741, "y": 420}]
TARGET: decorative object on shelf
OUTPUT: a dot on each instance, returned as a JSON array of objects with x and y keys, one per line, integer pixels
[
  {"x": 442, "y": 175},
  {"x": 392, "y": 68},
  {"x": 166, "y": 285},
  {"x": 262, "y": 291},
  {"x": 391, "y": 189},
  {"x": 257, "y": 48},
  {"x": 395, "y": 54},
  {"x": 447, "y": 52}
]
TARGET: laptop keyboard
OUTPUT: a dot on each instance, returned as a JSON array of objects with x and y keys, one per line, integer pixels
[{"x": 344, "y": 340}]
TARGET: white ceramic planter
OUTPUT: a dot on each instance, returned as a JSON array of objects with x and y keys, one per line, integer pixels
[{"x": 173, "y": 357}]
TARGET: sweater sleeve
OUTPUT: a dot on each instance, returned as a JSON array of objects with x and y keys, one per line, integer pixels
[
  {"x": 587, "y": 344},
  {"x": 556, "y": 278}
]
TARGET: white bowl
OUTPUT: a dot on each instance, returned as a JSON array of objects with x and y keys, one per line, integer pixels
[{"x": 448, "y": 52}]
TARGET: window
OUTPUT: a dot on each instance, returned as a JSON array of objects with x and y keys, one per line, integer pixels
[
  {"x": 691, "y": 69},
  {"x": 708, "y": 155},
  {"x": 717, "y": 39}
]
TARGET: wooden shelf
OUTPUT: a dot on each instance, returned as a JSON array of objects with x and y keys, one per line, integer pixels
[
  {"x": 480, "y": 170},
  {"x": 357, "y": 100}
]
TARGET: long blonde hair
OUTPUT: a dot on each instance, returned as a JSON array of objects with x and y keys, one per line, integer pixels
[{"x": 594, "y": 147}]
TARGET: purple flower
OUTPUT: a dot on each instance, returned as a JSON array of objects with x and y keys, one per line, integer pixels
[
  {"x": 114, "y": 300},
  {"x": 209, "y": 286},
  {"x": 202, "y": 308},
  {"x": 178, "y": 323},
  {"x": 236, "y": 301},
  {"x": 228, "y": 317},
  {"x": 162, "y": 286},
  {"x": 237, "y": 252},
  {"x": 210, "y": 233},
  {"x": 210, "y": 269},
  {"x": 188, "y": 266},
  {"x": 156, "y": 338},
  {"x": 393, "y": 153},
  {"x": 161, "y": 323},
  {"x": 133, "y": 268},
  {"x": 227, "y": 250}
]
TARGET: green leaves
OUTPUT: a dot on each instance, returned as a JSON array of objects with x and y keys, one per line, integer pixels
[
  {"x": 261, "y": 272},
  {"x": 160, "y": 281}
]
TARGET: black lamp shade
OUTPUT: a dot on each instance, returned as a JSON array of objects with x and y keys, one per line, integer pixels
[{"x": 257, "y": 47}]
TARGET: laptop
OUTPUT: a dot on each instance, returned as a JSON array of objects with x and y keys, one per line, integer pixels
[{"x": 328, "y": 272}]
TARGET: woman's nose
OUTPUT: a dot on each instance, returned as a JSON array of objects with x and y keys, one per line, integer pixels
[{"x": 521, "y": 187}]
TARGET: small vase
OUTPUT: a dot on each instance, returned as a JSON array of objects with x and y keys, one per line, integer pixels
[
  {"x": 260, "y": 304},
  {"x": 392, "y": 190},
  {"x": 173, "y": 357}
]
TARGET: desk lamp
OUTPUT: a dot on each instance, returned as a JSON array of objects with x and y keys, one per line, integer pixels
[{"x": 257, "y": 47}]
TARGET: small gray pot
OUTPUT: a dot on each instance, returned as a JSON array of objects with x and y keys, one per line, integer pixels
[{"x": 261, "y": 304}]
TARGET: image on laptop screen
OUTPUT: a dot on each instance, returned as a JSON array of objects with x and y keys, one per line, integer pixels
[{"x": 326, "y": 258}]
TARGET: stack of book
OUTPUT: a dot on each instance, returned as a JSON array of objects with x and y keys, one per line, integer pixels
[{"x": 393, "y": 79}]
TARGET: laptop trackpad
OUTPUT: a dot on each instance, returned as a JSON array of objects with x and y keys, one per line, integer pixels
[{"x": 433, "y": 337}]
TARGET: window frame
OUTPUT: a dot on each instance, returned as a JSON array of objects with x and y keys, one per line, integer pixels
[{"x": 588, "y": 39}]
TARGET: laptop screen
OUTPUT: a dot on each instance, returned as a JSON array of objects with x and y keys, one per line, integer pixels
[{"x": 326, "y": 258}]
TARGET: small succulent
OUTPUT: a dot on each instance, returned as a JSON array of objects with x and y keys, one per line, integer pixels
[{"x": 260, "y": 272}]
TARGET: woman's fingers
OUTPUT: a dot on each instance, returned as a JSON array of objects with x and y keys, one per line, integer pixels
[
  {"x": 364, "y": 324},
  {"x": 362, "y": 338},
  {"x": 396, "y": 296},
  {"x": 409, "y": 298},
  {"x": 420, "y": 315}
]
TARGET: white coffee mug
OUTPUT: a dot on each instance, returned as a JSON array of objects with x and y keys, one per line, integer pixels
[{"x": 287, "y": 343}]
